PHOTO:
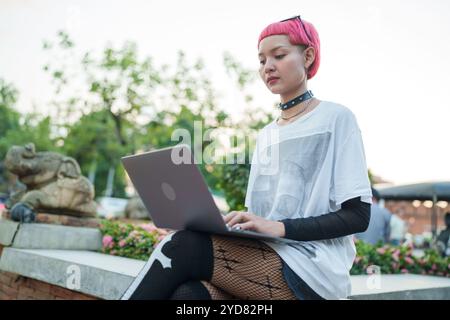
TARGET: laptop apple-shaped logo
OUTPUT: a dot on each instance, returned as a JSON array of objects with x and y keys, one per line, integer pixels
[{"x": 168, "y": 191}]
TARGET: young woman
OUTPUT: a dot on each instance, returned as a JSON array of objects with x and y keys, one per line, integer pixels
[{"x": 308, "y": 182}]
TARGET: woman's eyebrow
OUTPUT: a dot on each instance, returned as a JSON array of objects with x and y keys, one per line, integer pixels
[{"x": 273, "y": 49}]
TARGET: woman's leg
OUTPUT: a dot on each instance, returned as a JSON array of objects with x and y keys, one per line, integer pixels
[
  {"x": 245, "y": 268},
  {"x": 199, "y": 290},
  {"x": 248, "y": 269},
  {"x": 180, "y": 257}
]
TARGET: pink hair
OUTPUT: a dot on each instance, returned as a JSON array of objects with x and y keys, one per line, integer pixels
[{"x": 296, "y": 33}]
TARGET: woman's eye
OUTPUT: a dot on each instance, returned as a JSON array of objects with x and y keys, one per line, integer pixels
[
  {"x": 280, "y": 56},
  {"x": 261, "y": 62}
]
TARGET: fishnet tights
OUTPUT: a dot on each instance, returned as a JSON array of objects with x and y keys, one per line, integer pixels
[{"x": 246, "y": 269}]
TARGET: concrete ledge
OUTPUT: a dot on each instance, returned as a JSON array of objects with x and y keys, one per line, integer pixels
[
  {"x": 100, "y": 275},
  {"x": 108, "y": 277},
  {"x": 48, "y": 236},
  {"x": 8, "y": 230},
  {"x": 400, "y": 287}
]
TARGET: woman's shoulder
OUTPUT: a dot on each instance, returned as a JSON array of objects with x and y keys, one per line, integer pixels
[
  {"x": 337, "y": 108},
  {"x": 337, "y": 112}
]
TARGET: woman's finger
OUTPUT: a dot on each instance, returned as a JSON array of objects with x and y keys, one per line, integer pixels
[
  {"x": 238, "y": 218},
  {"x": 229, "y": 216},
  {"x": 249, "y": 225}
]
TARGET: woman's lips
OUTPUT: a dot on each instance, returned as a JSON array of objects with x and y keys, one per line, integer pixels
[{"x": 272, "y": 81}]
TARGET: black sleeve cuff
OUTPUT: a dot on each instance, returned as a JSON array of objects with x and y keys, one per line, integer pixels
[{"x": 353, "y": 217}]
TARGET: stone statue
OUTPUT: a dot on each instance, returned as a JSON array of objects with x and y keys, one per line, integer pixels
[
  {"x": 53, "y": 184},
  {"x": 135, "y": 209},
  {"x": 3, "y": 180}
]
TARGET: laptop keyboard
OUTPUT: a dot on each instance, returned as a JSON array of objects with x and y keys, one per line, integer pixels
[
  {"x": 283, "y": 241},
  {"x": 235, "y": 229}
]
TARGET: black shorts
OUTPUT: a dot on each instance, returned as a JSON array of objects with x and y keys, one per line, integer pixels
[{"x": 299, "y": 287}]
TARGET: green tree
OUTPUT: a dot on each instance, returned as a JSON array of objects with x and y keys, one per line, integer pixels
[
  {"x": 16, "y": 129},
  {"x": 9, "y": 117},
  {"x": 232, "y": 178},
  {"x": 192, "y": 99},
  {"x": 91, "y": 142},
  {"x": 140, "y": 105}
]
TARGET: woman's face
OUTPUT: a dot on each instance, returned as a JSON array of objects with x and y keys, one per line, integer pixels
[{"x": 284, "y": 62}]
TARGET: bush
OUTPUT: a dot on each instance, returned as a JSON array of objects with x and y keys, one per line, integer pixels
[
  {"x": 130, "y": 241},
  {"x": 398, "y": 259},
  {"x": 138, "y": 241}
]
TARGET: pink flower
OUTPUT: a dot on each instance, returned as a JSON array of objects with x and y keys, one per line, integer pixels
[
  {"x": 409, "y": 260},
  {"x": 404, "y": 271},
  {"x": 395, "y": 256},
  {"x": 394, "y": 265},
  {"x": 107, "y": 241},
  {"x": 162, "y": 231},
  {"x": 134, "y": 234},
  {"x": 433, "y": 267},
  {"x": 149, "y": 227},
  {"x": 381, "y": 250},
  {"x": 122, "y": 243}
]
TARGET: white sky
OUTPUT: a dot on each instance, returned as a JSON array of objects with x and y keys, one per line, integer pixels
[{"x": 387, "y": 60}]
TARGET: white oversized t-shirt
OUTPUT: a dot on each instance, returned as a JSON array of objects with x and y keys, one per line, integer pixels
[{"x": 309, "y": 168}]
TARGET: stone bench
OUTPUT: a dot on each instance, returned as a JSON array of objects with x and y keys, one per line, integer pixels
[
  {"x": 401, "y": 287},
  {"x": 51, "y": 254},
  {"x": 100, "y": 275},
  {"x": 107, "y": 277},
  {"x": 48, "y": 236}
]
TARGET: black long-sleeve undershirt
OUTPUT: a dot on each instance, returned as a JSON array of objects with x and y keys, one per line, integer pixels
[{"x": 353, "y": 217}]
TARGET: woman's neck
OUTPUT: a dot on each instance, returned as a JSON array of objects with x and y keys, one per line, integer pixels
[
  {"x": 291, "y": 95},
  {"x": 285, "y": 98},
  {"x": 309, "y": 105}
]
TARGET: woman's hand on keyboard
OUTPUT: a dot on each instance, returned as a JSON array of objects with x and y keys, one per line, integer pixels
[{"x": 250, "y": 221}]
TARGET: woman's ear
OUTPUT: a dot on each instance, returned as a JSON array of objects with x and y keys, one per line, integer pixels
[{"x": 309, "y": 56}]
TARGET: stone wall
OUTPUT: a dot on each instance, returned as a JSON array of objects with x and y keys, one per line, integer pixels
[
  {"x": 40, "y": 273},
  {"x": 17, "y": 287}
]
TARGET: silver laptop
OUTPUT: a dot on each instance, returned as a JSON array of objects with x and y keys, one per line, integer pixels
[{"x": 176, "y": 196}]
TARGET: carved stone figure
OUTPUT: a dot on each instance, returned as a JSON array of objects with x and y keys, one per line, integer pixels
[
  {"x": 135, "y": 209},
  {"x": 54, "y": 184}
]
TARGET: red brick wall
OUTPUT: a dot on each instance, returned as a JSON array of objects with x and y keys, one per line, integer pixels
[
  {"x": 16, "y": 287},
  {"x": 418, "y": 219}
]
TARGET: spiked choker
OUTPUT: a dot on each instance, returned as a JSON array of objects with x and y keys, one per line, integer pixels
[{"x": 291, "y": 103}]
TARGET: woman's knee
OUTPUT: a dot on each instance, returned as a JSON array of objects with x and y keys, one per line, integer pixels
[
  {"x": 190, "y": 241},
  {"x": 191, "y": 290},
  {"x": 190, "y": 249}
]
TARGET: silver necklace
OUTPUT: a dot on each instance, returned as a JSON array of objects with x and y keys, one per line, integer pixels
[{"x": 304, "y": 109}]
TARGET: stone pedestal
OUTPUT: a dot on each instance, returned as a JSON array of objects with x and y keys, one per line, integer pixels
[
  {"x": 49, "y": 236},
  {"x": 64, "y": 220},
  {"x": 25, "y": 274}
]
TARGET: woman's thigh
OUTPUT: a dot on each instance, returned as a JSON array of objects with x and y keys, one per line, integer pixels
[{"x": 248, "y": 269}]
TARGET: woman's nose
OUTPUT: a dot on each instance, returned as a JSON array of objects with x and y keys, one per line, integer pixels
[{"x": 269, "y": 66}]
